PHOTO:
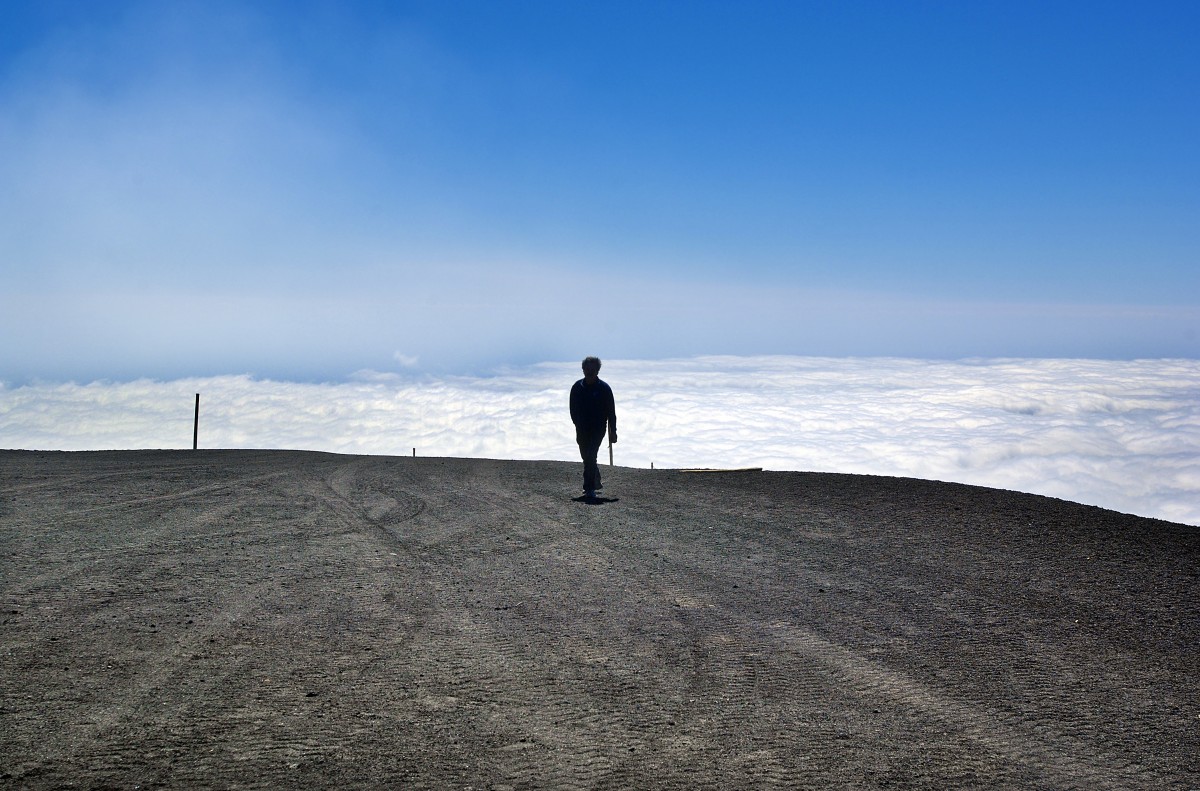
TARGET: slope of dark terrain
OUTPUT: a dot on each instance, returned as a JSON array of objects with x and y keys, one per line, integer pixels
[{"x": 271, "y": 619}]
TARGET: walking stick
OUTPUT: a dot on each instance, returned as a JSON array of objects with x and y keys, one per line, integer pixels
[{"x": 610, "y": 461}]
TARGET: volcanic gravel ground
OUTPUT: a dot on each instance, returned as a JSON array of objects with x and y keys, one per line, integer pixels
[{"x": 273, "y": 619}]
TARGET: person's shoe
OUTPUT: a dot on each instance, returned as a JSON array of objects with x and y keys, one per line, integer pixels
[{"x": 589, "y": 494}]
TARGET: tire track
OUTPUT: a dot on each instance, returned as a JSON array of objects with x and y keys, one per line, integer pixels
[
  {"x": 1049, "y": 756},
  {"x": 129, "y": 701},
  {"x": 1056, "y": 760},
  {"x": 473, "y": 685},
  {"x": 135, "y": 503}
]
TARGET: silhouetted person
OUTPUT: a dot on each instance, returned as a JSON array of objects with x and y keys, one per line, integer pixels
[{"x": 593, "y": 410}]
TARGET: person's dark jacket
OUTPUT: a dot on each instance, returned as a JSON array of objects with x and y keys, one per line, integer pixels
[{"x": 593, "y": 406}]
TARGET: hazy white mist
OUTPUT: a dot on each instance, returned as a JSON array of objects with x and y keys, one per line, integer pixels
[{"x": 1122, "y": 435}]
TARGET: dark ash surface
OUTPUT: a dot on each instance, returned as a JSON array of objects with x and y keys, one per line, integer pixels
[{"x": 277, "y": 619}]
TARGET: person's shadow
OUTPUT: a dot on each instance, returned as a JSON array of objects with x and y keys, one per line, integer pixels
[{"x": 595, "y": 500}]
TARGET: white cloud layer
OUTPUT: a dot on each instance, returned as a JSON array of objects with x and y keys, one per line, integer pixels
[{"x": 1122, "y": 435}]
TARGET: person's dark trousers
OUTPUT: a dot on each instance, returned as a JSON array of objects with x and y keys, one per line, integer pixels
[{"x": 589, "y": 445}]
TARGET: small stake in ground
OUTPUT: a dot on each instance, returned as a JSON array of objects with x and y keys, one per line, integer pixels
[{"x": 196, "y": 425}]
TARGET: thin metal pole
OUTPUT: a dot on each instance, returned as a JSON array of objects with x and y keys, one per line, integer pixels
[
  {"x": 610, "y": 461},
  {"x": 196, "y": 425}
]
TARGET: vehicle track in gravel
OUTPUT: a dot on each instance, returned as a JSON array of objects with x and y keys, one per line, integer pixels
[{"x": 272, "y": 619}]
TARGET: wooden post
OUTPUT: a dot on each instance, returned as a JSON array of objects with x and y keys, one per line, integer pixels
[
  {"x": 196, "y": 425},
  {"x": 414, "y": 453}
]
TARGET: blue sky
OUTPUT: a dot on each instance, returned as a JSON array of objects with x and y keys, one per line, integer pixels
[{"x": 302, "y": 190}]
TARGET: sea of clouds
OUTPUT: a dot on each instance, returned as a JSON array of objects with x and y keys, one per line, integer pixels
[{"x": 1119, "y": 434}]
